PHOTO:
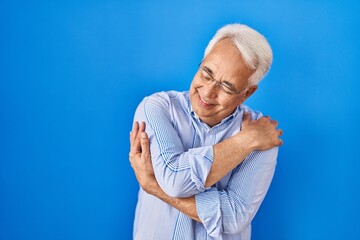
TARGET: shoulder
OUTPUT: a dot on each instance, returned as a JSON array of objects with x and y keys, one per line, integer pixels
[
  {"x": 254, "y": 113},
  {"x": 166, "y": 101}
]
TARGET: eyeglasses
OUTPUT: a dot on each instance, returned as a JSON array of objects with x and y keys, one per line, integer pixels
[{"x": 207, "y": 78}]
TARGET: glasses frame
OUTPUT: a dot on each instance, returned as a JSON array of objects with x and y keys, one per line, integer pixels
[{"x": 218, "y": 84}]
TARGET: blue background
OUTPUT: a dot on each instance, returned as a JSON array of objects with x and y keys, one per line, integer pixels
[{"x": 73, "y": 72}]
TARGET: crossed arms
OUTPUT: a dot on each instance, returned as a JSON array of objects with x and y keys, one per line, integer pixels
[{"x": 232, "y": 208}]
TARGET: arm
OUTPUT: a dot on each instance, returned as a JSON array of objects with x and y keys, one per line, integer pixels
[
  {"x": 140, "y": 160},
  {"x": 255, "y": 135},
  {"x": 182, "y": 173},
  {"x": 229, "y": 210},
  {"x": 232, "y": 209}
]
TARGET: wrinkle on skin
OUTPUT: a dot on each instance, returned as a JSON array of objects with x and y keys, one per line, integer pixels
[{"x": 225, "y": 63}]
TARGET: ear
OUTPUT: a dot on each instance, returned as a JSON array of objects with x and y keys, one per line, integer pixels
[{"x": 250, "y": 91}]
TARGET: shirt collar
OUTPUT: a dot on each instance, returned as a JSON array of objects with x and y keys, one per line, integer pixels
[{"x": 226, "y": 120}]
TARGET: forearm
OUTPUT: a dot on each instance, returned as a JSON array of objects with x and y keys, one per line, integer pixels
[
  {"x": 184, "y": 205},
  {"x": 182, "y": 175},
  {"x": 227, "y": 155},
  {"x": 242, "y": 197},
  {"x": 180, "y": 171}
]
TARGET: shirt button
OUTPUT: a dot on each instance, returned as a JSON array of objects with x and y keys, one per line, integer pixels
[{"x": 211, "y": 131}]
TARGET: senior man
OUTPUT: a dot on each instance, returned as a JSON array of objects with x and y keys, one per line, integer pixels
[{"x": 206, "y": 160}]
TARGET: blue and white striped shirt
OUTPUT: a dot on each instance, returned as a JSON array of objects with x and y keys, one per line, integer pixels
[{"x": 182, "y": 154}]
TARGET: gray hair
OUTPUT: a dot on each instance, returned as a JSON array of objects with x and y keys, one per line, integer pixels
[{"x": 253, "y": 47}]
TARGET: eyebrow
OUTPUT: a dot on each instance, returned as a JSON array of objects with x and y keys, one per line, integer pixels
[
  {"x": 229, "y": 84},
  {"x": 208, "y": 70}
]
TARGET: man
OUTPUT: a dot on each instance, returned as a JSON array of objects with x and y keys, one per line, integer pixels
[{"x": 206, "y": 160}]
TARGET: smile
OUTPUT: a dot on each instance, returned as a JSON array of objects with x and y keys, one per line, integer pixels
[{"x": 205, "y": 103}]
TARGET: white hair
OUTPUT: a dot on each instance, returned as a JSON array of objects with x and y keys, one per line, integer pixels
[{"x": 253, "y": 47}]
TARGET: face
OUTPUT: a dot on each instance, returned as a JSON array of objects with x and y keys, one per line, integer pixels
[{"x": 224, "y": 65}]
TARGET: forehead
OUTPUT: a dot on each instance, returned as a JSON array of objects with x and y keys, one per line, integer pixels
[{"x": 226, "y": 61}]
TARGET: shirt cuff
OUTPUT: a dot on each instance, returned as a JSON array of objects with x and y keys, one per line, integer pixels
[
  {"x": 200, "y": 165},
  {"x": 208, "y": 209}
]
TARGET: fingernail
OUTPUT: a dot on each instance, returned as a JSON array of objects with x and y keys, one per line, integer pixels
[{"x": 143, "y": 135}]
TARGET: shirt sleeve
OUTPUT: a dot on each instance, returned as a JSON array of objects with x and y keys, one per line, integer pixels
[
  {"x": 179, "y": 172},
  {"x": 232, "y": 209}
]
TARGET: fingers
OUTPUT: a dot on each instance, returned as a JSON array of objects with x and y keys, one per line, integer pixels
[
  {"x": 135, "y": 128},
  {"x": 267, "y": 117},
  {"x": 135, "y": 135},
  {"x": 142, "y": 127},
  {"x": 246, "y": 117},
  {"x": 137, "y": 141},
  {"x": 145, "y": 146},
  {"x": 134, "y": 132},
  {"x": 280, "y": 132},
  {"x": 135, "y": 146},
  {"x": 274, "y": 123}
]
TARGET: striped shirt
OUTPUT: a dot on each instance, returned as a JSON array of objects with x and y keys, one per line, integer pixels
[{"x": 182, "y": 154}]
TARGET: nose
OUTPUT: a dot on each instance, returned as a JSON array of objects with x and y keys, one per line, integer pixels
[{"x": 211, "y": 90}]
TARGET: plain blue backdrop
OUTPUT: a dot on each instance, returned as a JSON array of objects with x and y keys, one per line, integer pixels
[{"x": 73, "y": 72}]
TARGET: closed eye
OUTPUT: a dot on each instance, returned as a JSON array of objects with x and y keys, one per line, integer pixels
[
  {"x": 228, "y": 85},
  {"x": 206, "y": 75}
]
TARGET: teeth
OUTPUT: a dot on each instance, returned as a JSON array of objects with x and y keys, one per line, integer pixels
[{"x": 204, "y": 101}]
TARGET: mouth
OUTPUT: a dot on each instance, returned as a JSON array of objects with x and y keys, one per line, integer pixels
[{"x": 205, "y": 103}]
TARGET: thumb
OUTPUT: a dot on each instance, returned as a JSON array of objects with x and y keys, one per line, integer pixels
[
  {"x": 145, "y": 145},
  {"x": 246, "y": 117}
]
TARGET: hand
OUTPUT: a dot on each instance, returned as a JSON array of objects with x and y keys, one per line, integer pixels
[
  {"x": 262, "y": 132},
  {"x": 140, "y": 158}
]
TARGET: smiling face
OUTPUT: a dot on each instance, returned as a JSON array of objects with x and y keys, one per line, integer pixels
[{"x": 220, "y": 84}]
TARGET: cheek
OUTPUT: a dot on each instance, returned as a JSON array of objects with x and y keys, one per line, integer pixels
[
  {"x": 192, "y": 87},
  {"x": 230, "y": 103},
  {"x": 195, "y": 84}
]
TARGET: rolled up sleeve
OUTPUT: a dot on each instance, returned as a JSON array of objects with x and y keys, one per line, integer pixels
[{"x": 232, "y": 209}]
